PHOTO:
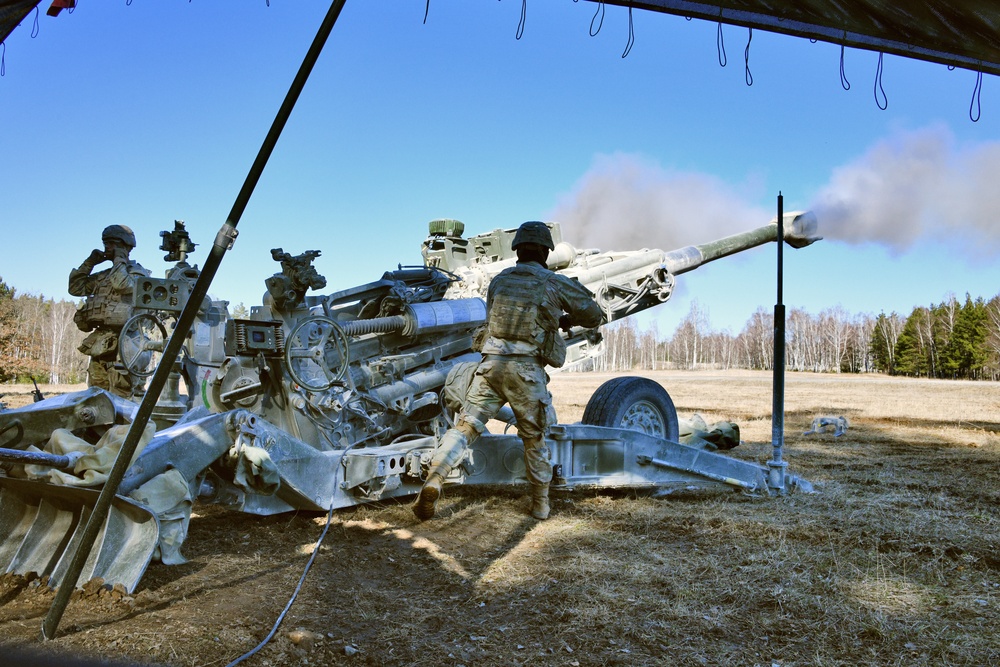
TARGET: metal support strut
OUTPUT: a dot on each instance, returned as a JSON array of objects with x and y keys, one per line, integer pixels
[{"x": 776, "y": 474}]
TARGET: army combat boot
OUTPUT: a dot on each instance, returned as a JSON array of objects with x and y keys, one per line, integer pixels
[
  {"x": 540, "y": 501},
  {"x": 427, "y": 500},
  {"x": 448, "y": 455}
]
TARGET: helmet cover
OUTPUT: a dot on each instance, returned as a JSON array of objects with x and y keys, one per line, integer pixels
[
  {"x": 119, "y": 232},
  {"x": 533, "y": 232}
]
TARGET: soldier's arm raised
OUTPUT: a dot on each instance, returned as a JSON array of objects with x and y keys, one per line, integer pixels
[{"x": 80, "y": 280}]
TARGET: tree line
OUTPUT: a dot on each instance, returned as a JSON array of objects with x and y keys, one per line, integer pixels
[
  {"x": 952, "y": 339},
  {"x": 38, "y": 339}
]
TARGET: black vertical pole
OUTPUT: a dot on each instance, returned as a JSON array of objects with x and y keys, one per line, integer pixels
[
  {"x": 776, "y": 476},
  {"x": 223, "y": 242}
]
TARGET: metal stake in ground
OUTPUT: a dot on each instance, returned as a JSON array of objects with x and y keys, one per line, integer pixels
[
  {"x": 776, "y": 475},
  {"x": 223, "y": 242}
]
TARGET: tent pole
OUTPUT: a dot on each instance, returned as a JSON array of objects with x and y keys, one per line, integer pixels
[{"x": 223, "y": 242}]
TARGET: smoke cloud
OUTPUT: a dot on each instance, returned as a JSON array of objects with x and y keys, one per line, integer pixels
[
  {"x": 915, "y": 186},
  {"x": 628, "y": 202}
]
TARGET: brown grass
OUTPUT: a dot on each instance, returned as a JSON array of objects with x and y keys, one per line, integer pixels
[
  {"x": 19, "y": 395},
  {"x": 893, "y": 562}
]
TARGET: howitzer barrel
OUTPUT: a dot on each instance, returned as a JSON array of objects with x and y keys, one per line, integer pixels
[
  {"x": 627, "y": 283},
  {"x": 799, "y": 231},
  {"x": 600, "y": 268}
]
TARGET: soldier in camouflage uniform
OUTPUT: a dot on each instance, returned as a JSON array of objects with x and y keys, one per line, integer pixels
[
  {"x": 526, "y": 305},
  {"x": 107, "y": 308}
]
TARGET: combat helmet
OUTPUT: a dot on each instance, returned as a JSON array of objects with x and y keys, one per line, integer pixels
[
  {"x": 120, "y": 232},
  {"x": 533, "y": 232}
]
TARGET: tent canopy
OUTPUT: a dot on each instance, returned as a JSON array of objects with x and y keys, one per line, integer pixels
[{"x": 958, "y": 33}]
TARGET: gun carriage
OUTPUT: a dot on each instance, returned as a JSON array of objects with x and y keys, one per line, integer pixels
[{"x": 319, "y": 401}]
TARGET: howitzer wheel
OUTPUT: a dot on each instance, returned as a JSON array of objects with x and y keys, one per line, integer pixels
[
  {"x": 633, "y": 403},
  {"x": 140, "y": 344},
  {"x": 306, "y": 353}
]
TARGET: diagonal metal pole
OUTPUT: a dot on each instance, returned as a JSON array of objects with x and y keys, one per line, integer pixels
[{"x": 223, "y": 242}]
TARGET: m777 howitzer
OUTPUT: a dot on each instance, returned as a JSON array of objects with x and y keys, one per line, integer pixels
[
  {"x": 624, "y": 282},
  {"x": 320, "y": 401}
]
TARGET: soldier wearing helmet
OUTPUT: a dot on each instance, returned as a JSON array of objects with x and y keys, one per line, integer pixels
[
  {"x": 107, "y": 307},
  {"x": 526, "y": 305}
]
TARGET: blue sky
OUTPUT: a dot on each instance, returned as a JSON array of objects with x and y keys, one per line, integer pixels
[{"x": 144, "y": 113}]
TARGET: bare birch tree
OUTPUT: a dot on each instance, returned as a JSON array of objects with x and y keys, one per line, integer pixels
[
  {"x": 993, "y": 336},
  {"x": 690, "y": 335},
  {"x": 756, "y": 341}
]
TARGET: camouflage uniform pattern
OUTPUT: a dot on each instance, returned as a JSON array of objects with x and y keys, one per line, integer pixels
[
  {"x": 104, "y": 313},
  {"x": 524, "y": 304}
]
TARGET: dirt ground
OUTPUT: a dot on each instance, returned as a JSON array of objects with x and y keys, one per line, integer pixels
[{"x": 894, "y": 561}]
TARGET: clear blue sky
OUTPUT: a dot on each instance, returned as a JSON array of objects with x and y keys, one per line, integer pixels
[{"x": 145, "y": 113}]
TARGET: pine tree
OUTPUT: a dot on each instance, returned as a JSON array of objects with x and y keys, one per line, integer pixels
[
  {"x": 12, "y": 363},
  {"x": 910, "y": 352},
  {"x": 966, "y": 353},
  {"x": 883, "y": 342}
]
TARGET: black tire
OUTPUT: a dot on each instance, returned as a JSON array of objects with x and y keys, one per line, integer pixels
[{"x": 633, "y": 403}]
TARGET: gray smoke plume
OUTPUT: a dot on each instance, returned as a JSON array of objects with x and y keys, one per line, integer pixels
[
  {"x": 915, "y": 186},
  {"x": 912, "y": 186},
  {"x": 628, "y": 202}
]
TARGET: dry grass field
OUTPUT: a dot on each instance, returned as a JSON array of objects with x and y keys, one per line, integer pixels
[{"x": 894, "y": 561}]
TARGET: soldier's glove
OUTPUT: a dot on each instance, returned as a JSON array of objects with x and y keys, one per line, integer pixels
[
  {"x": 565, "y": 324},
  {"x": 96, "y": 257}
]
